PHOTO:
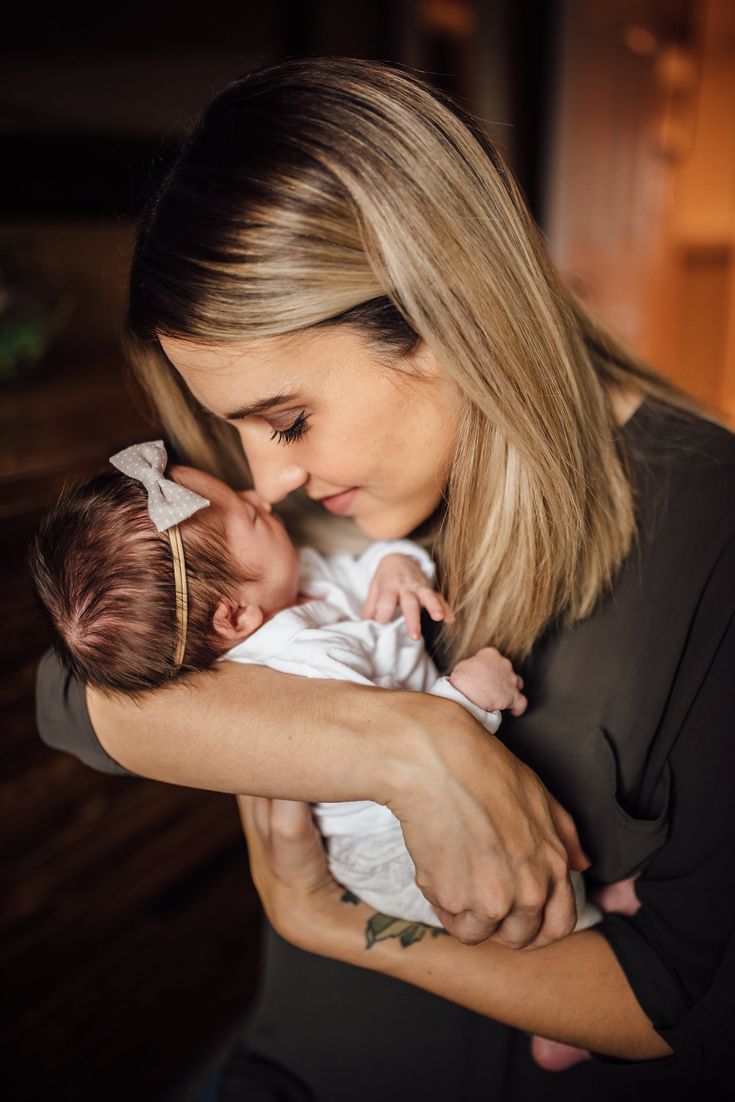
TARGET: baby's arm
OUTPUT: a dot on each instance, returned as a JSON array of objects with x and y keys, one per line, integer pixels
[{"x": 489, "y": 681}]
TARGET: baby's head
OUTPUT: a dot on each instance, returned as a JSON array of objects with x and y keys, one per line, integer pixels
[{"x": 106, "y": 578}]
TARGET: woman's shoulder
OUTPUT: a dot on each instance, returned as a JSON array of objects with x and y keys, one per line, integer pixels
[
  {"x": 683, "y": 470},
  {"x": 683, "y": 440},
  {"x": 63, "y": 720}
]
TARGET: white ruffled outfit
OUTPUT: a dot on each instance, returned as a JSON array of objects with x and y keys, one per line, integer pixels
[{"x": 327, "y": 638}]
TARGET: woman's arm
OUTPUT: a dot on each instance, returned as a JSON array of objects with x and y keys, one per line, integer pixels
[
  {"x": 490, "y": 845},
  {"x": 670, "y": 962},
  {"x": 573, "y": 991}
]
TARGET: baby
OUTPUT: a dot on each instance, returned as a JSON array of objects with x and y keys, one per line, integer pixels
[{"x": 147, "y": 578}]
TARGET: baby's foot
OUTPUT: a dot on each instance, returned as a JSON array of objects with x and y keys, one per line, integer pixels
[{"x": 554, "y": 1056}]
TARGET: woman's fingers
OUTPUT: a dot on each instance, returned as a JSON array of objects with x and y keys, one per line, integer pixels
[
  {"x": 567, "y": 831},
  {"x": 282, "y": 833},
  {"x": 520, "y": 927},
  {"x": 560, "y": 914},
  {"x": 287, "y": 860},
  {"x": 290, "y": 822},
  {"x": 525, "y": 926},
  {"x": 492, "y": 848},
  {"x": 254, "y": 816},
  {"x": 467, "y": 926}
]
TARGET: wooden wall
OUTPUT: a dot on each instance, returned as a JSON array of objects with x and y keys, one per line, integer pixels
[
  {"x": 129, "y": 928},
  {"x": 641, "y": 199}
]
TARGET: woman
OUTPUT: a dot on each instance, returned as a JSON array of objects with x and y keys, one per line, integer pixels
[{"x": 340, "y": 276}]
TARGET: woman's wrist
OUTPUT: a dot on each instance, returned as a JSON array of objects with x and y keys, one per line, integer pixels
[{"x": 404, "y": 735}]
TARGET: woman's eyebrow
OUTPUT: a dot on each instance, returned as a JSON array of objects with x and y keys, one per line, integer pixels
[{"x": 260, "y": 407}]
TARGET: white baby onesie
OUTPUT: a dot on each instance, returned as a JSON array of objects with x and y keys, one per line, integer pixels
[{"x": 327, "y": 637}]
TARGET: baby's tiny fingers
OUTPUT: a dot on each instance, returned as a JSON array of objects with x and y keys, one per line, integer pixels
[
  {"x": 385, "y": 606},
  {"x": 448, "y": 617},
  {"x": 412, "y": 613},
  {"x": 519, "y": 705},
  {"x": 432, "y": 601},
  {"x": 368, "y": 609}
]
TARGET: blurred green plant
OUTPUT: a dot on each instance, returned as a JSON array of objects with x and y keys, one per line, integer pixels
[
  {"x": 33, "y": 308},
  {"x": 24, "y": 338}
]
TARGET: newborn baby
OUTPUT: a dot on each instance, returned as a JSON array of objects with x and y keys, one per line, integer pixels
[{"x": 147, "y": 578}]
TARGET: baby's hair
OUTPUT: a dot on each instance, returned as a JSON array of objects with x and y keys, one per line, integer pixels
[{"x": 105, "y": 578}]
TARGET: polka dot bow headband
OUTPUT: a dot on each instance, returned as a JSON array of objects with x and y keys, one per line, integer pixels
[{"x": 168, "y": 505}]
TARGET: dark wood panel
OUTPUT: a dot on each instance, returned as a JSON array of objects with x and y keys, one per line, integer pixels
[{"x": 129, "y": 931}]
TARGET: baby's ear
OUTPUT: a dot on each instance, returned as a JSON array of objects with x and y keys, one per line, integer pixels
[{"x": 235, "y": 622}]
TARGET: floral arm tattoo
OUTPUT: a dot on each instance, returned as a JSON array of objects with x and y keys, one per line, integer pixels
[{"x": 380, "y": 927}]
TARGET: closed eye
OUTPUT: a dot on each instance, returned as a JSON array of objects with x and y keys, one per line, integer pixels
[{"x": 294, "y": 431}]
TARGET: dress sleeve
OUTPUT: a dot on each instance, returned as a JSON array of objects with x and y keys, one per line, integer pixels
[
  {"x": 489, "y": 720},
  {"x": 678, "y": 950},
  {"x": 63, "y": 720}
]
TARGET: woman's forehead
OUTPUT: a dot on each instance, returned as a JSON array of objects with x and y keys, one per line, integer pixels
[
  {"x": 183, "y": 351},
  {"x": 253, "y": 373},
  {"x": 187, "y": 355}
]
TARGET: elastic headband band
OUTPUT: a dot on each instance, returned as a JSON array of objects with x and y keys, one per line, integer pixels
[{"x": 182, "y": 594}]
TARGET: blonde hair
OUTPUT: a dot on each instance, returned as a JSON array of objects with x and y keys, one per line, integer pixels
[{"x": 341, "y": 191}]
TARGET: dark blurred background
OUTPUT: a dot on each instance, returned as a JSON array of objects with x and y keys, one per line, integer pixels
[{"x": 129, "y": 932}]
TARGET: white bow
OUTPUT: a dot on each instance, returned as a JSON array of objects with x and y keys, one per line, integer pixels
[{"x": 168, "y": 502}]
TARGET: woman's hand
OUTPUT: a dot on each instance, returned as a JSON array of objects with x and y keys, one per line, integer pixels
[
  {"x": 400, "y": 581},
  {"x": 289, "y": 869},
  {"x": 574, "y": 992},
  {"x": 491, "y": 846}
]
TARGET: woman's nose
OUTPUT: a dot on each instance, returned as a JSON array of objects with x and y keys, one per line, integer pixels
[{"x": 274, "y": 475}]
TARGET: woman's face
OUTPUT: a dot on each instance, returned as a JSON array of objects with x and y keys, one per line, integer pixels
[{"x": 318, "y": 410}]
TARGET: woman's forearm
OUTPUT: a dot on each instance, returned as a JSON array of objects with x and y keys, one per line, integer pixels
[
  {"x": 573, "y": 991},
  {"x": 244, "y": 728},
  {"x": 490, "y": 845}
]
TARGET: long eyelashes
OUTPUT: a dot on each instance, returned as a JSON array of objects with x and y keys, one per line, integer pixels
[{"x": 293, "y": 432}]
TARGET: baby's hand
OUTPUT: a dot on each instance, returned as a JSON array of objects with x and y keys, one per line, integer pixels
[
  {"x": 399, "y": 580},
  {"x": 489, "y": 681}
]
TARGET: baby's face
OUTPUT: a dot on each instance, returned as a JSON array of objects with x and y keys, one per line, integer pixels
[{"x": 253, "y": 536}]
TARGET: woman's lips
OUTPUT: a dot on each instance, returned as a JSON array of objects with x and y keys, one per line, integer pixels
[{"x": 340, "y": 503}]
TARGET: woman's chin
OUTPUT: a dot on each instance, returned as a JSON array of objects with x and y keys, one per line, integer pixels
[{"x": 383, "y": 527}]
